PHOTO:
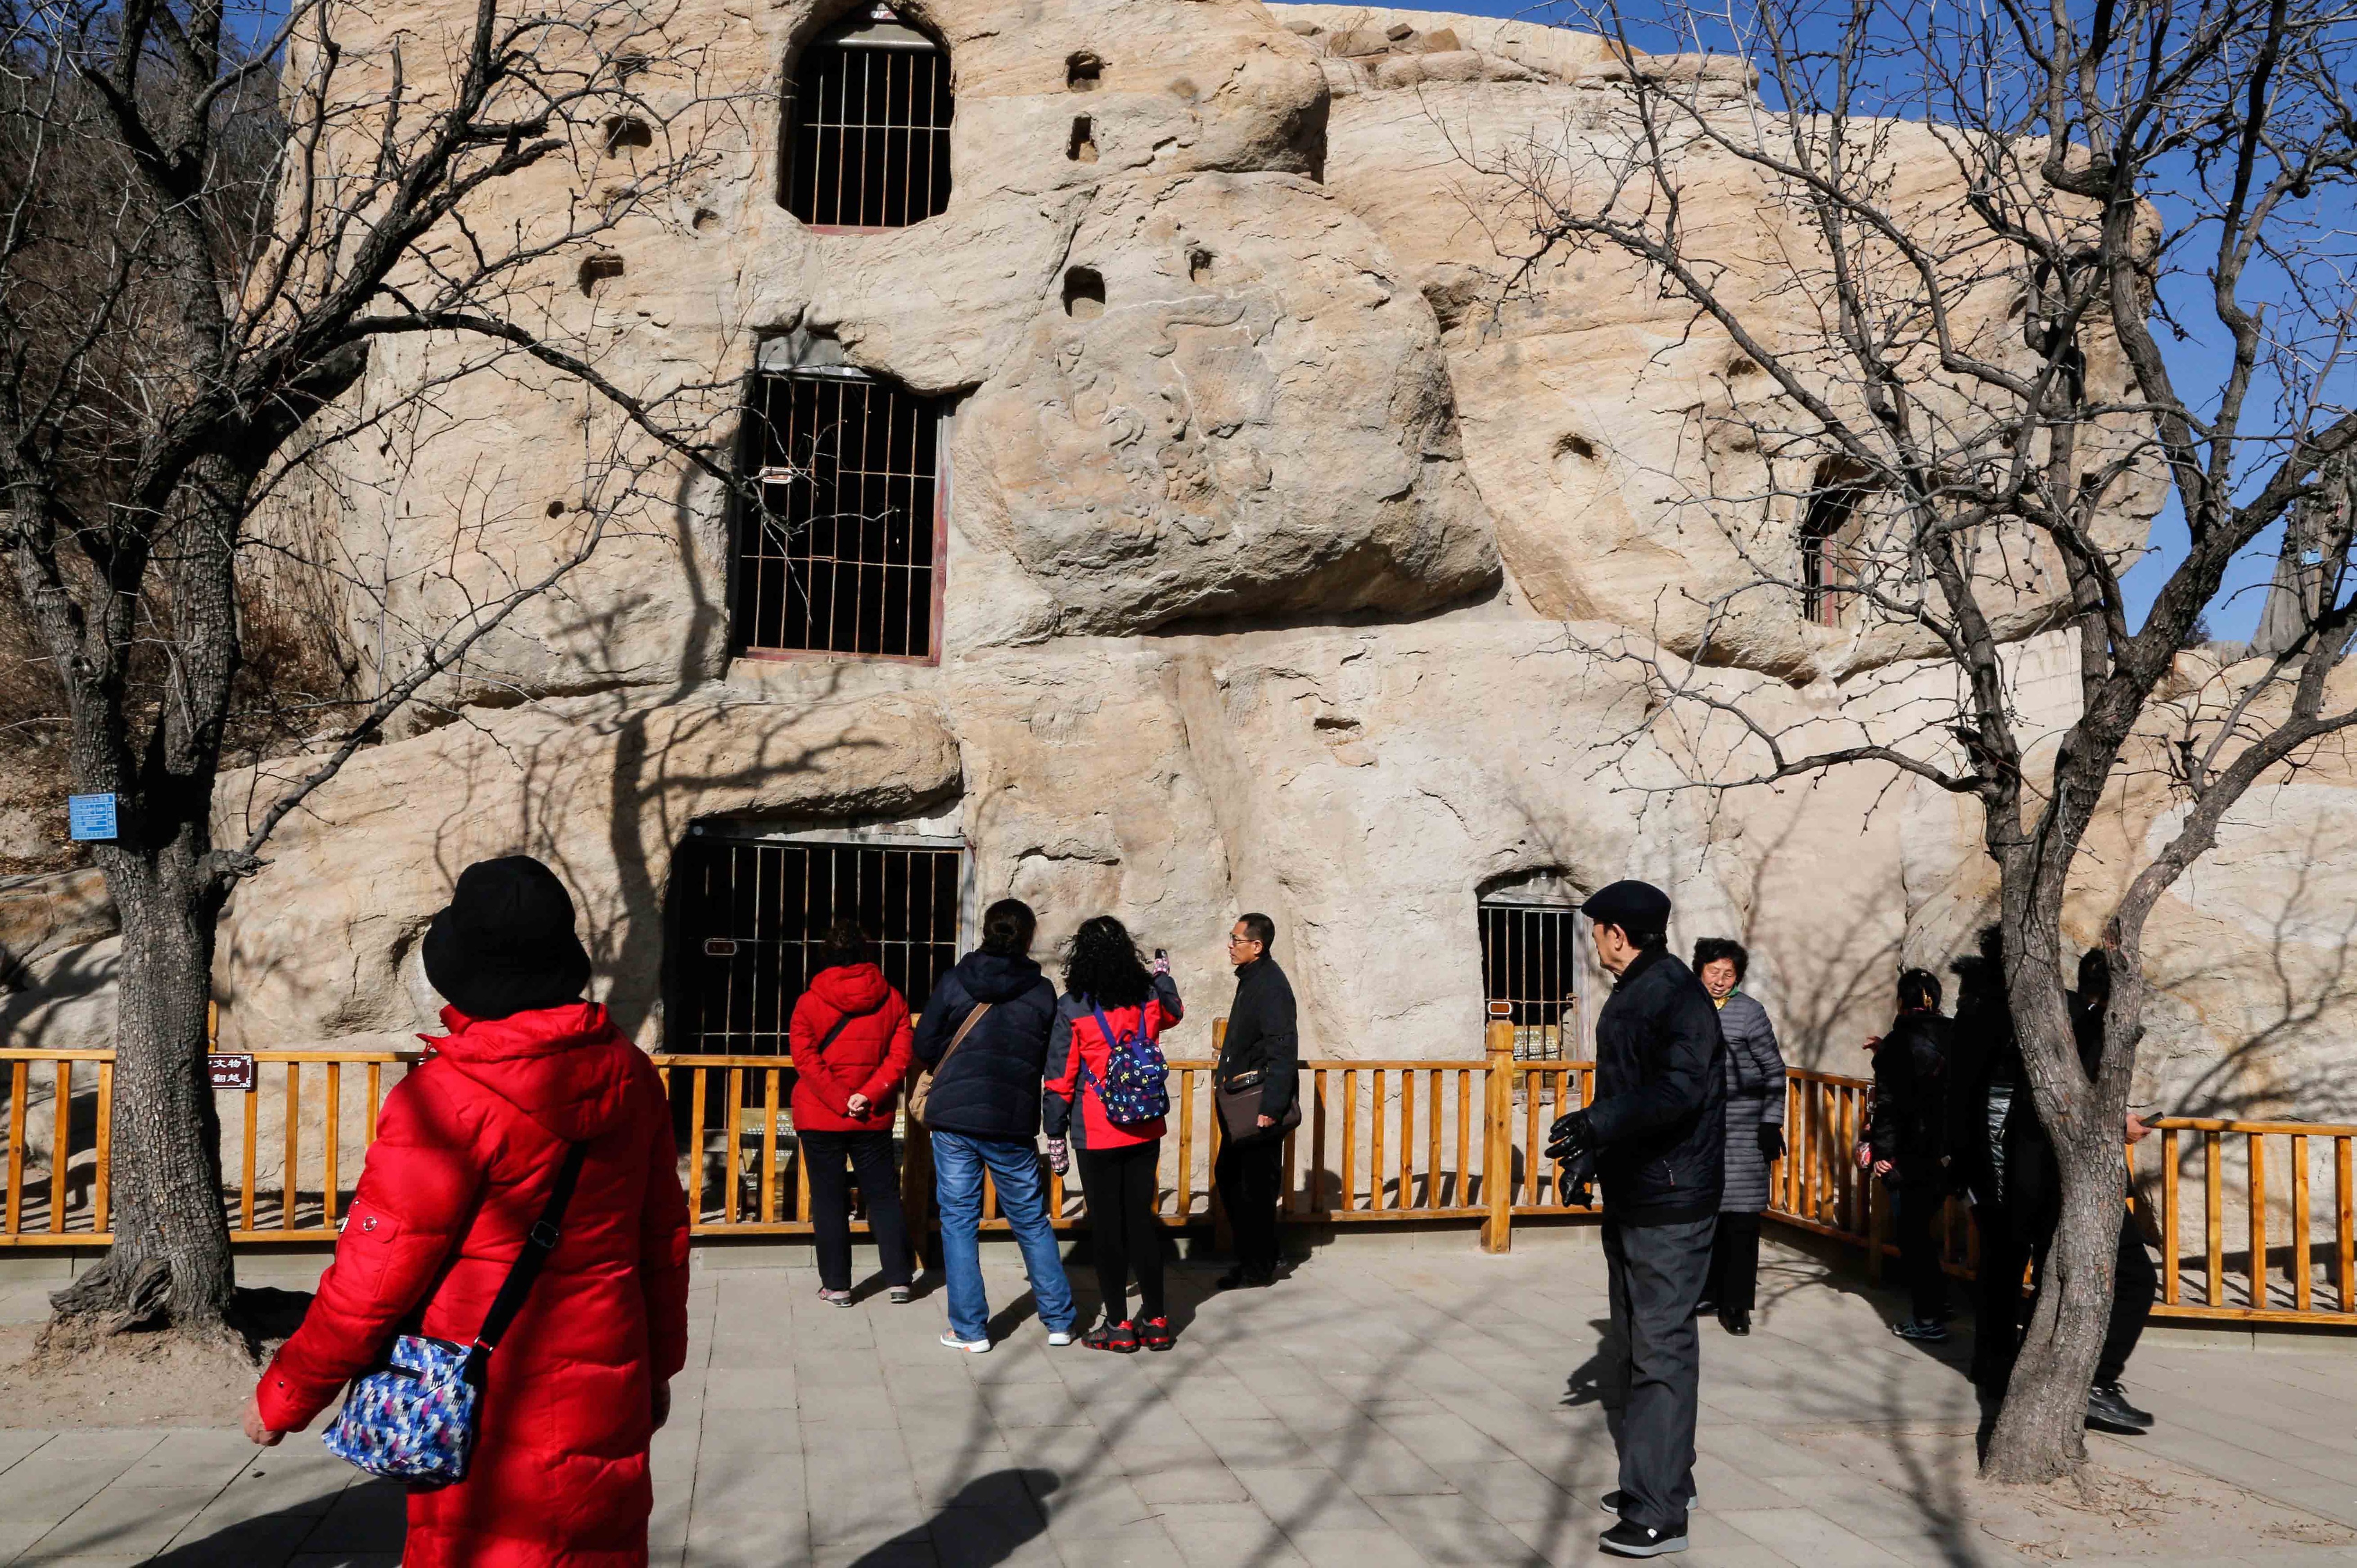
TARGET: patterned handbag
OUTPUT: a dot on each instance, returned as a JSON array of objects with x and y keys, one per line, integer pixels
[{"x": 414, "y": 1418}]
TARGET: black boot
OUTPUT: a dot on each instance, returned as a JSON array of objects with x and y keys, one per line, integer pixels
[{"x": 2108, "y": 1410}]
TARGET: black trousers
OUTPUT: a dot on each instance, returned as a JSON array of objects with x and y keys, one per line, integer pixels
[
  {"x": 1656, "y": 1273},
  {"x": 1920, "y": 1209},
  {"x": 1247, "y": 1173},
  {"x": 1998, "y": 1310},
  {"x": 1734, "y": 1282},
  {"x": 2134, "y": 1284},
  {"x": 1121, "y": 1189},
  {"x": 879, "y": 1183}
]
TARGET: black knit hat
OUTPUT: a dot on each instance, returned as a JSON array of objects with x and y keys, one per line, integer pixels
[{"x": 505, "y": 943}]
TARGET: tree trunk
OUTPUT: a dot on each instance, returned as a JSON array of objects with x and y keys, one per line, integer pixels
[
  {"x": 170, "y": 1259},
  {"x": 2040, "y": 1434}
]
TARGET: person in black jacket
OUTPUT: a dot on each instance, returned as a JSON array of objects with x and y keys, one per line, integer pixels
[
  {"x": 1657, "y": 1131},
  {"x": 2038, "y": 1202},
  {"x": 983, "y": 1112},
  {"x": 1263, "y": 1047},
  {"x": 1989, "y": 1124},
  {"x": 1906, "y": 1142}
]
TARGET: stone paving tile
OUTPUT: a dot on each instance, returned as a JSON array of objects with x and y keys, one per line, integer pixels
[
  {"x": 1439, "y": 1409},
  {"x": 125, "y": 1520},
  {"x": 1356, "y": 1548},
  {"x": 1806, "y": 1537},
  {"x": 1309, "y": 1499}
]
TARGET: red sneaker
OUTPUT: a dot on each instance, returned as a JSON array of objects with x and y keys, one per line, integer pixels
[
  {"x": 1118, "y": 1337},
  {"x": 1154, "y": 1333}
]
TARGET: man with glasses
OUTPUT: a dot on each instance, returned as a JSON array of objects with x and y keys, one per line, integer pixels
[{"x": 1262, "y": 1055}]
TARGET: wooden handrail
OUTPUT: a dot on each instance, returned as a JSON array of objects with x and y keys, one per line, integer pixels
[{"x": 1383, "y": 1140}]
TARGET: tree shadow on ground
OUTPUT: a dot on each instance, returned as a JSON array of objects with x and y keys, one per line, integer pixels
[
  {"x": 361, "y": 1523},
  {"x": 991, "y": 1517}
]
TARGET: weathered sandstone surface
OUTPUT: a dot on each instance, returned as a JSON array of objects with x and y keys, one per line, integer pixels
[
  {"x": 1287, "y": 579},
  {"x": 1363, "y": 785},
  {"x": 323, "y": 944}
]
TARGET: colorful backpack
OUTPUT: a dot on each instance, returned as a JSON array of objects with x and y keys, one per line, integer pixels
[{"x": 1135, "y": 1086}]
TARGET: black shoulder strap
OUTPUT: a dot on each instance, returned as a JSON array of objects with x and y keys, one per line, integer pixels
[
  {"x": 538, "y": 1243},
  {"x": 841, "y": 1022}
]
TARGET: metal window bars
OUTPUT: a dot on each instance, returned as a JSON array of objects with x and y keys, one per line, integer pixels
[
  {"x": 841, "y": 554},
  {"x": 755, "y": 914},
  {"x": 1530, "y": 962},
  {"x": 1829, "y": 554},
  {"x": 867, "y": 142}
]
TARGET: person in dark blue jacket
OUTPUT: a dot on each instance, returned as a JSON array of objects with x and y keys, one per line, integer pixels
[
  {"x": 1657, "y": 1131},
  {"x": 983, "y": 1112}
]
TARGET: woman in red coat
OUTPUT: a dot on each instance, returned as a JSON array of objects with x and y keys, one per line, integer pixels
[
  {"x": 468, "y": 1145},
  {"x": 851, "y": 1043},
  {"x": 1105, "y": 985}
]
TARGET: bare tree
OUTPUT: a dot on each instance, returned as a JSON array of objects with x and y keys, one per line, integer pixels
[
  {"x": 205, "y": 238},
  {"x": 2016, "y": 275}
]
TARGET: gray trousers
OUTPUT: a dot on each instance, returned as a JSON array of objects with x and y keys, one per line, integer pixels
[{"x": 1656, "y": 1273}]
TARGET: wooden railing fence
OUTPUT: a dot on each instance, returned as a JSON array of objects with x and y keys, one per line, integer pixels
[{"x": 1381, "y": 1141}]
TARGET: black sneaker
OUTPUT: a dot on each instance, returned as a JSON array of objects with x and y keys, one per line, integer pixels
[
  {"x": 1626, "y": 1540},
  {"x": 2108, "y": 1410},
  {"x": 1237, "y": 1279},
  {"x": 1926, "y": 1331},
  {"x": 1119, "y": 1337},
  {"x": 1617, "y": 1501}
]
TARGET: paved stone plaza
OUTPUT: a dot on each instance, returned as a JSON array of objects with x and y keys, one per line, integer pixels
[{"x": 1386, "y": 1405}]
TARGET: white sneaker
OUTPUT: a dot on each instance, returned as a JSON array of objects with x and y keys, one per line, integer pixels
[
  {"x": 971, "y": 1347},
  {"x": 1059, "y": 1337}
]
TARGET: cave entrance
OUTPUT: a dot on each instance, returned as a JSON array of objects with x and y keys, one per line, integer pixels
[
  {"x": 1530, "y": 967},
  {"x": 841, "y": 553},
  {"x": 751, "y": 911}
]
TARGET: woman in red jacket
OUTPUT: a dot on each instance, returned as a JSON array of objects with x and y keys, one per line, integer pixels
[
  {"x": 851, "y": 1043},
  {"x": 468, "y": 1145},
  {"x": 1119, "y": 1161}
]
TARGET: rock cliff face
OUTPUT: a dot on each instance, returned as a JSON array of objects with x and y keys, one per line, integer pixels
[{"x": 1277, "y": 548}]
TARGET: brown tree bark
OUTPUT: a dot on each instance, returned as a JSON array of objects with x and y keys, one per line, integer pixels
[
  {"x": 171, "y": 1258},
  {"x": 2041, "y": 1433}
]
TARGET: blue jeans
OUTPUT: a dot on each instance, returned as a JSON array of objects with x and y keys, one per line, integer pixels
[{"x": 958, "y": 1162}]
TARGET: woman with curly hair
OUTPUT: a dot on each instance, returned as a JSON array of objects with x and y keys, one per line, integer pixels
[
  {"x": 1110, "y": 998},
  {"x": 1755, "y": 1129}
]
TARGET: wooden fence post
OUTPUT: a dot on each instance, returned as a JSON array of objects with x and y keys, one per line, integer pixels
[
  {"x": 1223, "y": 1237},
  {"x": 916, "y": 1177},
  {"x": 916, "y": 1190},
  {"x": 1497, "y": 1140}
]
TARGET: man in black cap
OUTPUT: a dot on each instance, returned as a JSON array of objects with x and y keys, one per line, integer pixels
[{"x": 1655, "y": 1132}]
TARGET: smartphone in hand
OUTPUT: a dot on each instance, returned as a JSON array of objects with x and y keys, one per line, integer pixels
[{"x": 1161, "y": 961}]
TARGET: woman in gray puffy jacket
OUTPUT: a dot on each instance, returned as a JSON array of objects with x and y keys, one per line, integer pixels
[{"x": 1755, "y": 1131}]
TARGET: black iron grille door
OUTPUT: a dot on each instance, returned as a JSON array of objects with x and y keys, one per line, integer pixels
[
  {"x": 1528, "y": 953},
  {"x": 752, "y": 915},
  {"x": 841, "y": 556},
  {"x": 868, "y": 137}
]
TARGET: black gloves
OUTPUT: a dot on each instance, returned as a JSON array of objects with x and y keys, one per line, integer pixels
[
  {"x": 1570, "y": 1137},
  {"x": 1771, "y": 1142}
]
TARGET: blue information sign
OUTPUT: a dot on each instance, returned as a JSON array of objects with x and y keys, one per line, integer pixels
[{"x": 90, "y": 816}]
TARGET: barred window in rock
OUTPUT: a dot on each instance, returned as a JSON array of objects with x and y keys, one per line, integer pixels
[
  {"x": 1529, "y": 955},
  {"x": 866, "y": 131},
  {"x": 753, "y": 913},
  {"x": 841, "y": 554}
]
